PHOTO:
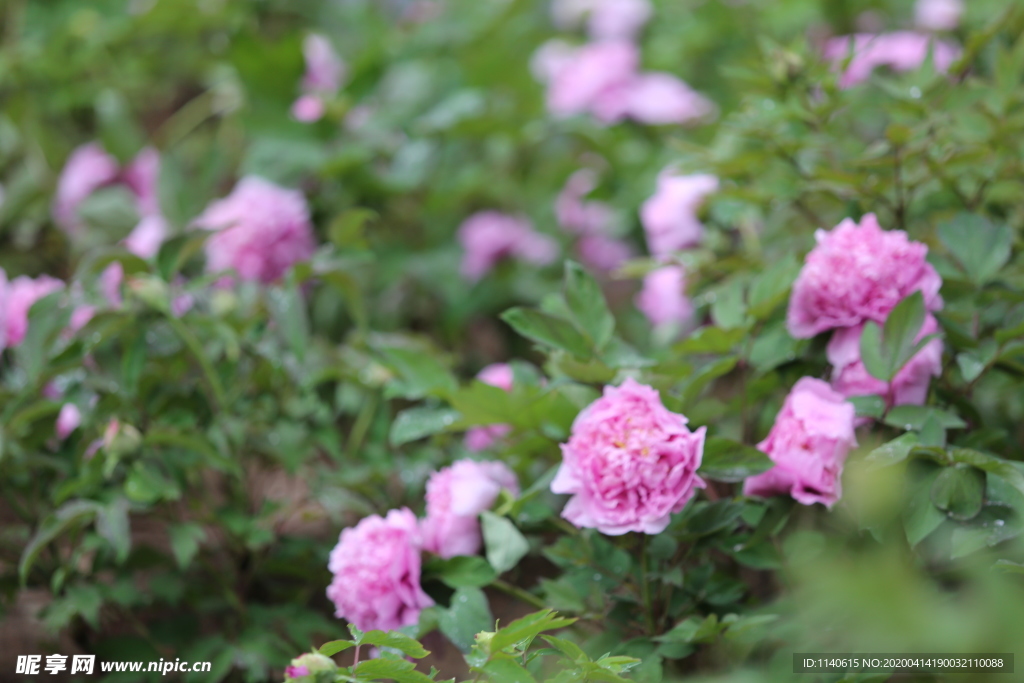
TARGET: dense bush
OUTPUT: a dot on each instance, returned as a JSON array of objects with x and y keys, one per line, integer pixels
[{"x": 534, "y": 327}]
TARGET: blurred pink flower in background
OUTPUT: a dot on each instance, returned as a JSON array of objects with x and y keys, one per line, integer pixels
[
  {"x": 909, "y": 386},
  {"x": 591, "y": 220},
  {"x": 16, "y": 299},
  {"x": 663, "y": 296},
  {"x": 260, "y": 230},
  {"x": 669, "y": 216},
  {"x": 481, "y": 438},
  {"x": 595, "y": 73},
  {"x": 658, "y": 98},
  {"x": 550, "y": 58},
  {"x": 376, "y": 568},
  {"x": 629, "y": 463},
  {"x": 488, "y": 237},
  {"x": 606, "y": 19},
  {"x": 325, "y": 72},
  {"x": 809, "y": 442},
  {"x": 68, "y": 420},
  {"x": 900, "y": 51},
  {"x": 858, "y": 272},
  {"x": 938, "y": 15},
  {"x": 456, "y": 496},
  {"x": 603, "y": 253}
]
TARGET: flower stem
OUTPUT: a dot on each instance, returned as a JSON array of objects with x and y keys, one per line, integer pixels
[
  {"x": 645, "y": 587},
  {"x": 517, "y": 592}
]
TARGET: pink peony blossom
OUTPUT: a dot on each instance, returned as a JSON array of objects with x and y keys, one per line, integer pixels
[
  {"x": 593, "y": 78},
  {"x": 606, "y": 19},
  {"x": 145, "y": 238},
  {"x": 261, "y": 230},
  {"x": 87, "y": 169},
  {"x": 909, "y": 386},
  {"x": 938, "y": 15},
  {"x": 657, "y": 98},
  {"x": 376, "y": 568},
  {"x": 900, "y": 51},
  {"x": 809, "y": 442},
  {"x": 456, "y": 496},
  {"x": 488, "y": 237},
  {"x": 17, "y": 296},
  {"x": 663, "y": 297},
  {"x": 481, "y": 438},
  {"x": 670, "y": 218},
  {"x": 325, "y": 72},
  {"x": 295, "y": 671},
  {"x": 68, "y": 420},
  {"x": 858, "y": 273},
  {"x": 603, "y": 253},
  {"x": 592, "y": 221},
  {"x": 629, "y": 463}
]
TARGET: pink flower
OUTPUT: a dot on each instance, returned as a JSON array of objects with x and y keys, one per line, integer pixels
[
  {"x": 938, "y": 15},
  {"x": 629, "y": 463},
  {"x": 325, "y": 72},
  {"x": 295, "y": 671},
  {"x": 550, "y": 58},
  {"x": 663, "y": 297},
  {"x": 900, "y": 51},
  {"x": 145, "y": 238},
  {"x": 376, "y": 567},
  {"x": 488, "y": 237},
  {"x": 16, "y": 299},
  {"x": 607, "y": 19},
  {"x": 670, "y": 218},
  {"x": 142, "y": 176},
  {"x": 68, "y": 420},
  {"x": 909, "y": 386},
  {"x": 456, "y": 496},
  {"x": 591, "y": 220},
  {"x": 596, "y": 74},
  {"x": 110, "y": 283},
  {"x": 80, "y": 317},
  {"x": 809, "y": 442},
  {"x": 482, "y": 438},
  {"x": 858, "y": 273},
  {"x": 603, "y": 253},
  {"x": 657, "y": 98},
  {"x": 261, "y": 230}
]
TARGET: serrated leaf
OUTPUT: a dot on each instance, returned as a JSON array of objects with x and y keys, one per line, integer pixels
[{"x": 548, "y": 330}]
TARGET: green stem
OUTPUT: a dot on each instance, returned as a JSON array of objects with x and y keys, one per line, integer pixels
[
  {"x": 517, "y": 592},
  {"x": 645, "y": 588},
  {"x": 361, "y": 426}
]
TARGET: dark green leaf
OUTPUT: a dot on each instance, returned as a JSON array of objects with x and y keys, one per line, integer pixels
[
  {"x": 462, "y": 571},
  {"x": 587, "y": 305},
  {"x": 726, "y": 460},
  {"x": 959, "y": 491},
  {"x": 416, "y": 423},
  {"x": 548, "y": 330},
  {"x": 980, "y": 247}
]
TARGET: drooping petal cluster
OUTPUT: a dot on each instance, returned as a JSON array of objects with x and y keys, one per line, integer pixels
[
  {"x": 663, "y": 296},
  {"x": 260, "y": 230},
  {"x": 90, "y": 168},
  {"x": 489, "y": 237},
  {"x": 16, "y": 299},
  {"x": 376, "y": 568},
  {"x": 900, "y": 51},
  {"x": 669, "y": 216},
  {"x": 456, "y": 496},
  {"x": 591, "y": 221},
  {"x": 809, "y": 442},
  {"x": 629, "y": 463},
  {"x": 938, "y": 15},
  {"x": 481, "y": 438},
  {"x": 325, "y": 72},
  {"x": 858, "y": 273},
  {"x": 606, "y": 19},
  {"x": 603, "y": 79},
  {"x": 909, "y": 386}
]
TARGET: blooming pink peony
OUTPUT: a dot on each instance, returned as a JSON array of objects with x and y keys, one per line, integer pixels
[
  {"x": 655, "y": 98},
  {"x": 629, "y": 463},
  {"x": 376, "y": 567},
  {"x": 670, "y": 218},
  {"x": 900, "y": 51},
  {"x": 593, "y": 78},
  {"x": 261, "y": 230},
  {"x": 909, "y": 386},
  {"x": 489, "y": 237},
  {"x": 809, "y": 442},
  {"x": 663, "y": 297},
  {"x": 591, "y": 220},
  {"x": 456, "y": 496},
  {"x": 858, "y": 273},
  {"x": 325, "y": 72},
  {"x": 938, "y": 15},
  {"x": 481, "y": 438},
  {"x": 16, "y": 299},
  {"x": 68, "y": 420}
]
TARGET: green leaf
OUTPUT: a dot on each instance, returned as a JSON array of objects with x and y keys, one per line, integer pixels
[
  {"x": 396, "y": 640},
  {"x": 528, "y": 627},
  {"x": 467, "y": 615},
  {"x": 389, "y": 669},
  {"x": 980, "y": 247},
  {"x": 921, "y": 517},
  {"x": 462, "y": 571},
  {"x": 914, "y": 417},
  {"x": 67, "y": 515},
  {"x": 871, "y": 405},
  {"x": 712, "y": 517},
  {"x": 872, "y": 353},
  {"x": 891, "y": 453},
  {"x": 334, "y": 647},
  {"x": 422, "y": 374},
  {"x": 726, "y": 460},
  {"x": 568, "y": 648},
  {"x": 548, "y": 330},
  {"x": 503, "y": 668},
  {"x": 587, "y": 305},
  {"x": 727, "y": 308},
  {"x": 1003, "y": 469},
  {"x": 113, "y": 525},
  {"x": 1008, "y": 567},
  {"x": 288, "y": 308},
  {"x": 416, "y": 423},
  {"x": 959, "y": 491},
  {"x": 884, "y": 352},
  {"x": 710, "y": 339},
  {"x": 348, "y": 229},
  {"x": 185, "y": 541},
  {"x": 505, "y": 545}
]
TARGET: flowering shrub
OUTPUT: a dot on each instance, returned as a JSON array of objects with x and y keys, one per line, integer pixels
[{"x": 699, "y": 323}]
